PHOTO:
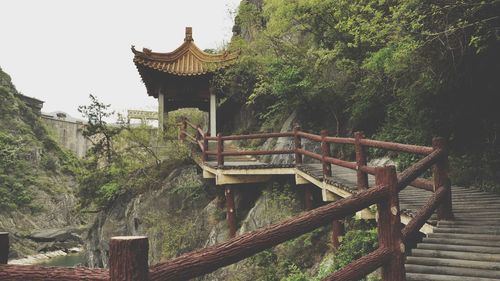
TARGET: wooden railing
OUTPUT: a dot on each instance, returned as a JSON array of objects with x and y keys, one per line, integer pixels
[
  {"x": 128, "y": 255},
  {"x": 435, "y": 157}
]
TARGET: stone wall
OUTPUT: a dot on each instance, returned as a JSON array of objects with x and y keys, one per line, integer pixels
[{"x": 69, "y": 134}]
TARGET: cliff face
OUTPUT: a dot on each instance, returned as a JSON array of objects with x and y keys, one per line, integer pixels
[
  {"x": 36, "y": 182},
  {"x": 176, "y": 218},
  {"x": 188, "y": 213}
]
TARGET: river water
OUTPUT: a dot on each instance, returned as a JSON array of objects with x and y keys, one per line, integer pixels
[{"x": 69, "y": 260}]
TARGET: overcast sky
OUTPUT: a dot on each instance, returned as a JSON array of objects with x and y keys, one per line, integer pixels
[{"x": 60, "y": 51}]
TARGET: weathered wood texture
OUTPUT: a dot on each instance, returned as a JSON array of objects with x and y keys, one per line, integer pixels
[
  {"x": 389, "y": 225},
  {"x": 362, "y": 266},
  {"x": 220, "y": 149},
  {"x": 325, "y": 152},
  {"x": 128, "y": 258},
  {"x": 44, "y": 273},
  {"x": 360, "y": 162},
  {"x": 230, "y": 211},
  {"x": 412, "y": 173},
  {"x": 4, "y": 247},
  {"x": 204, "y": 261},
  {"x": 440, "y": 174},
  {"x": 337, "y": 232},
  {"x": 308, "y": 197},
  {"x": 423, "y": 214},
  {"x": 298, "y": 144}
]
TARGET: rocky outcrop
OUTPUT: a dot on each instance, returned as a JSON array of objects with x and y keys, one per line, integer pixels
[{"x": 179, "y": 207}]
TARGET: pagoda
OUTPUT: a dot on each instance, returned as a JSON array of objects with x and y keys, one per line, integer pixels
[{"x": 181, "y": 78}]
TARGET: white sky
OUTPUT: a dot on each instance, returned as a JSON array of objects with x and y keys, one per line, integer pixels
[{"x": 61, "y": 51}]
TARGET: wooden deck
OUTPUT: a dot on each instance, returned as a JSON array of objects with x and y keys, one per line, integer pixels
[{"x": 342, "y": 184}]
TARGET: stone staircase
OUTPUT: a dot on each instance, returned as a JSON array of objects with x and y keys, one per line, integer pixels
[{"x": 465, "y": 249}]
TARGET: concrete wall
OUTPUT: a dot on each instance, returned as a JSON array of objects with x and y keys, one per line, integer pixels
[{"x": 69, "y": 134}]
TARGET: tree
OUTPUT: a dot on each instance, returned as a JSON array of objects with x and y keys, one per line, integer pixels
[{"x": 97, "y": 129}]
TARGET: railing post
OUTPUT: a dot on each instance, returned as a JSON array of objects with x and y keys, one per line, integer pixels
[
  {"x": 440, "y": 175},
  {"x": 182, "y": 134},
  {"x": 128, "y": 258},
  {"x": 308, "y": 198},
  {"x": 298, "y": 145},
  {"x": 230, "y": 211},
  {"x": 204, "y": 155},
  {"x": 337, "y": 232},
  {"x": 4, "y": 247},
  {"x": 362, "y": 177},
  {"x": 325, "y": 152},
  {"x": 220, "y": 149},
  {"x": 389, "y": 225}
]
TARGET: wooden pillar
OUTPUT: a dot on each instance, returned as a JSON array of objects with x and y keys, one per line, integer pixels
[
  {"x": 220, "y": 149},
  {"x": 308, "y": 197},
  {"x": 128, "y": 258},
  {"x": 325, "y": 152},
  {"x": 362, "y": 177},
  {"x": 337, "y": 233},
  {"x": 440, "y": 174},
  {"x": 213, "y": 114},
  {"x": 389, "y": 225},
  {"x": 230, "y": 211},
  {"x": 4, "y": 247},
  {"x": 161, "y": 111},
  {"x": 298, "y": 144}
]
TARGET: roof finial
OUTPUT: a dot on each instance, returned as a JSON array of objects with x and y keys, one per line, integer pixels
[{"x": 189, "y": 34}]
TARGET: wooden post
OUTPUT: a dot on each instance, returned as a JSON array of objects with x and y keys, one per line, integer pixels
[
  {"x": 220, "y": 149},
  {"x": 230, "y": 211},
  {"x": 337, "y": 232},
  {"x": 440, "y": 174},
  {"x": 360, "y": 161},
  {"x": 128, "y": 258},
  {"x": 308, "y": 198},
  {"x": 325, "y": 152},
  {"x": 182, "y": 135},
  {"x": 389, "y": 225},
  {"x": 4, "y": 247},
  {"x": 204, "y": 155},
  {"x": 298, "y": 145}
]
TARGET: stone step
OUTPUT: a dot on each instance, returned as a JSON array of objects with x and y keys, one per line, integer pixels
[
  {"x": 435, "y": 277},
  {"x": 454, "y": 271},
  {"x": 455, "y": 255},
  {"x": 467, "y": 230},
  {"x": 463, "y": 242},
  {"x": 460, "y": 248},
  {"x": 479, "y": 224},
  {"x": 453, "y": 263},
  {"x": 484, "y": 237}
]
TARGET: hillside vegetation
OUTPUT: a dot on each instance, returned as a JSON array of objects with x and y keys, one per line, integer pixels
[
  {"x": 403, "y": 71},
  {"x": 37, "y": 177},
  {"x": 29, "y": 155}
]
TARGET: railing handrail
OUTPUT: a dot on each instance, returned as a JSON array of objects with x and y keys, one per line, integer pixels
[{"x": 206, "y": 260}]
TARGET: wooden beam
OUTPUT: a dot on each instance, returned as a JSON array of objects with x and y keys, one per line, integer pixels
[
  {"x": 300, "y": 180},
  {"x": 226, "y": 179},
  {"x": 208, "y": 175}
]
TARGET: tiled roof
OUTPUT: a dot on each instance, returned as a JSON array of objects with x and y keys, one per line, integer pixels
[{"x": 187, "y": 60}]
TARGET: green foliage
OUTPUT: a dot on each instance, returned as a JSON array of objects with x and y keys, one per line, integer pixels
[
  {"x": 176, "y": 233},
  {"x": 97, "y": 129},
  {"x": 125, "y": 158},
  {"x": 403, "y": 71},
  {"x": 28, "y": 154}
]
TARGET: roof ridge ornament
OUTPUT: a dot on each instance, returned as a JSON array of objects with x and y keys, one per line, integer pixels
[{"x": 189, "y": 34}]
